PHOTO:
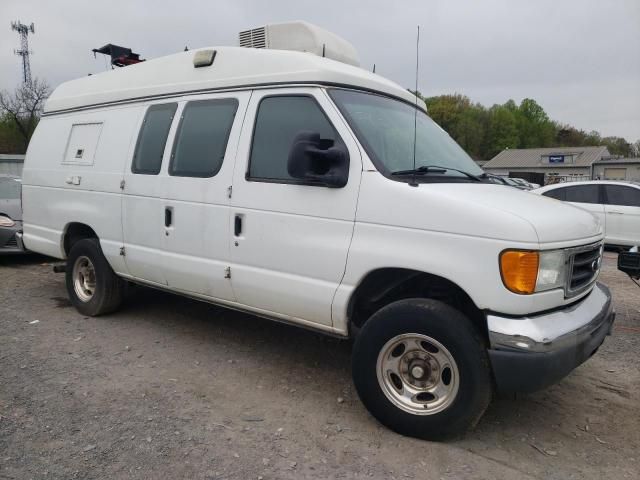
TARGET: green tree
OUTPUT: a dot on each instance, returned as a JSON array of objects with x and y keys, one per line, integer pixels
[
  {"x": 485, "y": 132},
  {"x": 23, "y": 107},
  {"x": 534, "y": 127},
  {"x": 503, "y": 130},
  {"x": 618, "y": 146},
  {"x": 10, "y": 138}
]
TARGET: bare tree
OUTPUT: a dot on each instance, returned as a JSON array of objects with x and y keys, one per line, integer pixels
[{"x": 24, "y": 106}]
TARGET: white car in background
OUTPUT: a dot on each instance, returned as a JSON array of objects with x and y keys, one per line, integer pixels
[{"x": 616, "y": 204}]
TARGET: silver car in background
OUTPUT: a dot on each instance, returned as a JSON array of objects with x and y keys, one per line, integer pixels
[{"x": 10, "y": 215}]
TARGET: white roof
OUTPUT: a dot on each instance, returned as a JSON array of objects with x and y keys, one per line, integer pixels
[{"x": 233, "y": 67}]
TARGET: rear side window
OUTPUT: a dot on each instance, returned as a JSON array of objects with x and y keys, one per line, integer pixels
[
  {"x": 278, "y": 121},
  {"x": 201, "y": 140},
  {"x": 582, "y": 194},
  {"x": 624, "y": 196},
  {"x": 557, "y": 193},
  {"x": 147, "y": 158}
]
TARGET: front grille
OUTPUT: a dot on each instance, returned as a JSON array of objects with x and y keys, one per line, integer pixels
[
  {"x": 12, "y": 242},
  {"x": 584, "y": 266}
]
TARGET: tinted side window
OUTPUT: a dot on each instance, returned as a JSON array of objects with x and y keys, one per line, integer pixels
[
  {"x": 625, "y": 196},
  {"x": 278, "y": 121},
  {"x": 557, "y": 193},
  {"x": 147, "y": 158},
  {"x": 201, "y": 139},
  {"x": 582, "y": 194}
]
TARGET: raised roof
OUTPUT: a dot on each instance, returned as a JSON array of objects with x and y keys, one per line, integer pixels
[{"x": 232, "y": 67}]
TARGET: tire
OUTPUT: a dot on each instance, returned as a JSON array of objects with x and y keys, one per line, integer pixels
[
  {"x": 452, "y": 343},
  {"x": 93, "y": 287}
]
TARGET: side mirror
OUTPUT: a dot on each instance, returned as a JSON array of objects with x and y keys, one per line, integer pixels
[
  {"x": 318, "y": 161},
  {"x": 629, "y": 262}
]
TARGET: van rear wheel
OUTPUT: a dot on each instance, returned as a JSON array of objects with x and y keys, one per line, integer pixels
[
  {"x": 93, "y": 287},
  {"x": 421, "y": 368}
]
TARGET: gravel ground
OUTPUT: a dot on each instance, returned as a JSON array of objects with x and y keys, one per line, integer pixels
[{"x": 173, "y": 388}]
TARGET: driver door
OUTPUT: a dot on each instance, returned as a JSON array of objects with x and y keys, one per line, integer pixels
[{"x": 290, "y": 239}]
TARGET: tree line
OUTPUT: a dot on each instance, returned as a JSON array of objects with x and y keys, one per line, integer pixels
[{"x": 484, "y": 132}]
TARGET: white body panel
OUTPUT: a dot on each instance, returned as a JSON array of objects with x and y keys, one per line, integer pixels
[{"x": 51, "y": 201}]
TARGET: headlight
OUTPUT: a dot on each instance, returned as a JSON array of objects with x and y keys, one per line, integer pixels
[
  {"x": 527, "y": 272},
  {"x": 6, "y": 221},
  {"x": 552, "y": 272}
]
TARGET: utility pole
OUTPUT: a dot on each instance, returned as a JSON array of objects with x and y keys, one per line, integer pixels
[{"x": 24, "y": 30}]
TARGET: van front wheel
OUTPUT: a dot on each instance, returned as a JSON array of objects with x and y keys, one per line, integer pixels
[
  {"x": 93, "y": 287},
  {"x": 421, "y": 368}
]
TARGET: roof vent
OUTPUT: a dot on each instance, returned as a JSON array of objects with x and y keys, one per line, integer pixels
[
  {"x": 256, "y": 38},
  {"x": 300, "y": 37}
]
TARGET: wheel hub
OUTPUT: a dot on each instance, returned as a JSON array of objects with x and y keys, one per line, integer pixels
[{"x": 418, "y": 372}]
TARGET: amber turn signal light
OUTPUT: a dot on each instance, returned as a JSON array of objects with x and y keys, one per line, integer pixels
[{"x": 519, "y": 270}]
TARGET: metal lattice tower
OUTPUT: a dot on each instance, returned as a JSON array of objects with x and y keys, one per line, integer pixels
[{"x": 24, "y": 30}]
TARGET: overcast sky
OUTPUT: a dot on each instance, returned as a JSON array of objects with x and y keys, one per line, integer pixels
[{"x": 580, "y": 59}]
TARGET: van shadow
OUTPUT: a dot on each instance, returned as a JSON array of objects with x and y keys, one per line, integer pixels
[
  {"x": 25, "y": 259},
  {"x": 198, "y": 321},
  {"x": 290, "y": 353}
]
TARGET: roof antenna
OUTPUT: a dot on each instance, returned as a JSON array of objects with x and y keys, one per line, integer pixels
[
  {"x": 374, "y": 68},
  {"x": 413, "y": 182}
]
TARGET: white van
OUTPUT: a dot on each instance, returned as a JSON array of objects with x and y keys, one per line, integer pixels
[{"x": 282, "y": 183}]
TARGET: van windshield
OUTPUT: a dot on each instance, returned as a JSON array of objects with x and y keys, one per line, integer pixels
[{"x": 385, "y": 128}]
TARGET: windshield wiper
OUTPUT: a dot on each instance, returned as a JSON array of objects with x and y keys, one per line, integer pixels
[{"x": 426, "y": 169}]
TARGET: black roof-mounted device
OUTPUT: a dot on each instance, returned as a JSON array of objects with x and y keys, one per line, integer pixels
[{"x": 120, "y": 56}]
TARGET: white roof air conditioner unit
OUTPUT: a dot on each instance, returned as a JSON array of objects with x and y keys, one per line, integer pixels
[{"x": 301, "y": 37}]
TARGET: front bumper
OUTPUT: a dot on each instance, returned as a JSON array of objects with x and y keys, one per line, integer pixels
[{"x": 530, "y": 353}]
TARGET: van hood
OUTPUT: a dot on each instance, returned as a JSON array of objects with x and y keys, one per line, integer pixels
[
  {"x": 553, "y": 220},
  {"x": 475, "y": 209}
]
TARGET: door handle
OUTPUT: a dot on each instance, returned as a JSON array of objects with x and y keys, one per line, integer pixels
[
  {"x": 237, "y": 225},
  {"x": 616, "y": 213},
  {"x": 168, "y": 216}
]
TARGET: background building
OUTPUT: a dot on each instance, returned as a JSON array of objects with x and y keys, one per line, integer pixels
[
  {"x": 11, "y": 164},
  {"x": 617, "y": 169},
  {"x": 547, "y": 165}
]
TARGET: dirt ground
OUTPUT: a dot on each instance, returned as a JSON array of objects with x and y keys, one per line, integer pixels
[{"x": 173, "y": 388}]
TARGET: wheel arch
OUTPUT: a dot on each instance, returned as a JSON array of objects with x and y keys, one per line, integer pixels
[
  {"x": 383, "y": 286},
  {"x": 73, "y": 232}
]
